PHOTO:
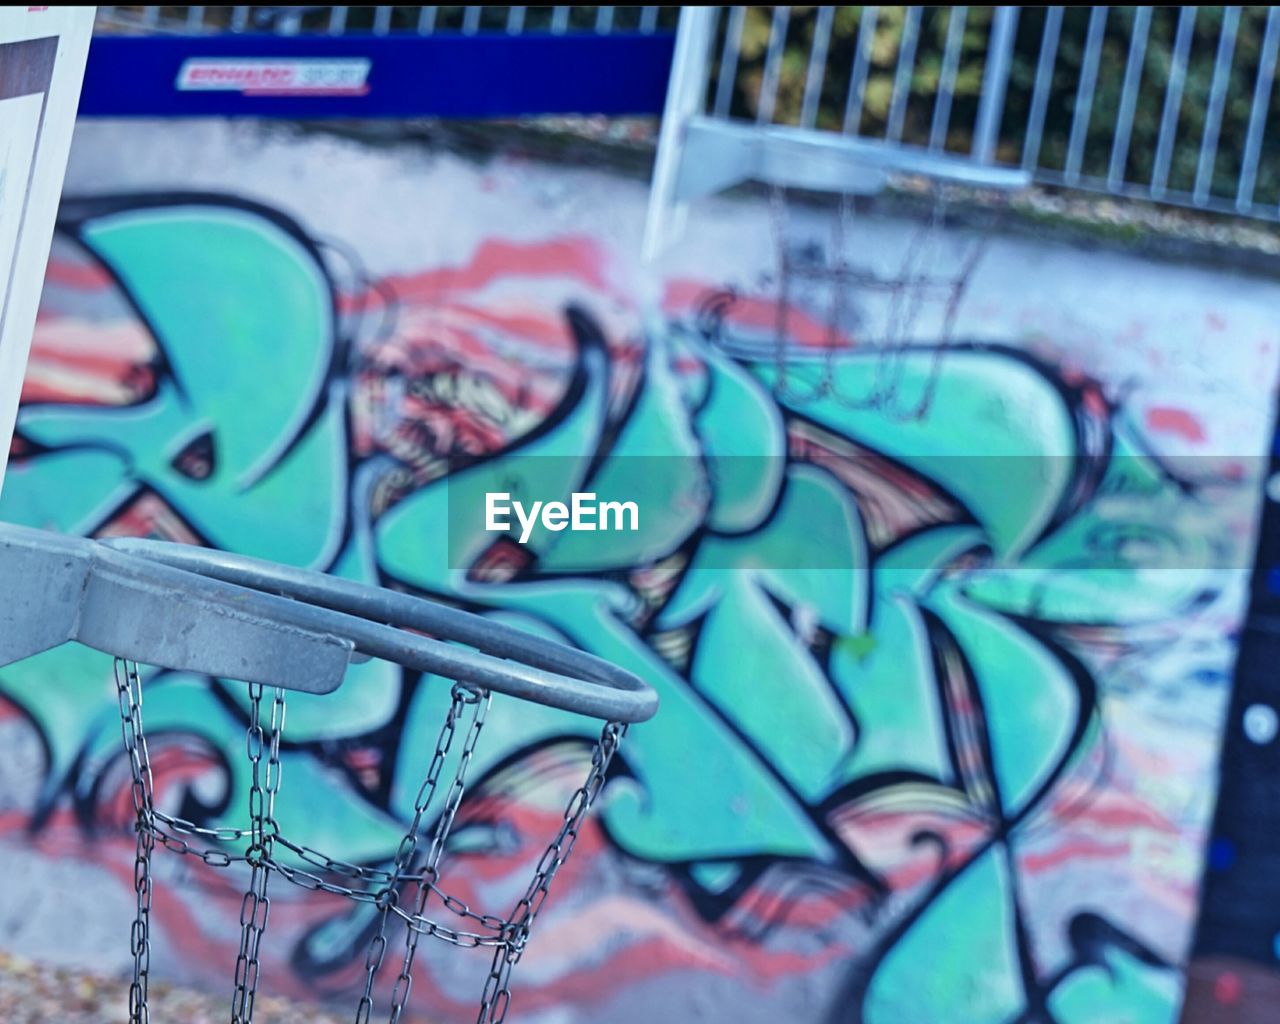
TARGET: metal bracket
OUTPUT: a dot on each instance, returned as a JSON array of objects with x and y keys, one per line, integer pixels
[
  {"x": 60, "y": 589},
  {"x": 719, "y": 154}
]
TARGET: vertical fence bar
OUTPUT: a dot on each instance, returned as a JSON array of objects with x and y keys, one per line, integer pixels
[
  {"x": 1129, "y": 96},
  {"x": 947, "y": 77},
  {"x": 995, "y": 81},
  {"x": 729, "y": 61},
  {"x": 773, "y": 64},
  {"x": 604, "y": 20},
  {"x": 559, "y": 20},
  {"x": 686, "y": 98},
  {"x": 1172, "y": 102},
  {"x": 338, "y": 20},
  {"x": 195, "y": 19},
  {"x": 1083, "y": 112},
  {"x": 1172, "y": 167},
  {"x": 515, "y": 21},
  {"x": 861, "y": 67},
  {"x": 151, "y": 16},
  {"x": 239, "y": 18},
  {"x": 427, "y": 20},
  {"x": 1217, "y": 99},
  {"x": 817, "y": 66},
  {"x": 1258, "y": 112},
  {"x": 1043, "y": 87},
  {"x": 902, "y": 74},
  {"x": 381, "y": 20},
  {"x": 471, "y": 20}
]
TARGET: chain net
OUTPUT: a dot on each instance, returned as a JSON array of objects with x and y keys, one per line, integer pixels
[
  {"x": 865, "y": 304},
  {"x": 404, "y": 896}
]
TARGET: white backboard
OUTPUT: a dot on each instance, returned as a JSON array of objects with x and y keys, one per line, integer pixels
[{"x": 42, "y": 58}]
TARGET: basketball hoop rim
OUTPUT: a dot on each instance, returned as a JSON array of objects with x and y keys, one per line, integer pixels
[
  {"x": 202, "y": 610},
  {"x": 377, "y": 621}
]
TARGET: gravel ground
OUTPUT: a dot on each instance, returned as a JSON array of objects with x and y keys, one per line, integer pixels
[{"x": 33, "y": 993}]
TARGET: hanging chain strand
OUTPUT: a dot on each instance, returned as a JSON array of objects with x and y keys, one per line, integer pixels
[
  {"x": 779, "y": 223},
  {"x": 908, "y": 297},
  {"x": 907, "y": 292},
  {"x": 404, "y": 980},
  {"x": 256, "y": 906},
  {"x": 387, "y": 898},
  {"x": 384, "y": 889},
  {"x": 959, "y": 285},
  {"x": 496, "y": 999},
  {"x": 843, "y": 275},
  {"x": 129, "y": 696}
]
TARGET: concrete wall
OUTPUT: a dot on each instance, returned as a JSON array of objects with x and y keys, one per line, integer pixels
[{"x": 942, "y": 748}]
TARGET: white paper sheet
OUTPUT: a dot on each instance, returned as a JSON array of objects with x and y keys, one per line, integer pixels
[
  {"x": 19, "y": 128},
  {"x": 42, "y": 59}
]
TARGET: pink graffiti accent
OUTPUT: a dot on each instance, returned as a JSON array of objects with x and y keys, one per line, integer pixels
[
  {"x": 777, "y": 900},
  {"x": 82, "y": 362},
  {"x": 884, "y": 839},
  {"x": 82, "y": 276},
  {"x": 1166, "y": 420},
  {"x": 1074, "y": 852},
  {"x": 149, "y": 515},
  {"x": 894, "y": 502},
  {"x": 1109, "y": 809},
  {"x": 580, "y": 258},
  {"x": 1227, "y": 988},
  {"x": 486, "y": 345},
  {"x": 684, "y": 296}
]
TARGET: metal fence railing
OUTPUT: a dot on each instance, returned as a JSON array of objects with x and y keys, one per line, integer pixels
[
  {"x": 1171, "y": 104},
  {"x": 386, "y": 20}
]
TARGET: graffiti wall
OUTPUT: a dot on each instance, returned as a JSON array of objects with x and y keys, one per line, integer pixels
[{"x": 942, "y": 694}]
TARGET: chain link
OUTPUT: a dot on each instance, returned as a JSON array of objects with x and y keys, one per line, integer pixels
[
  {"x": 908, "y": 289},
  {"x": 129, "y": 697},
  {"x": 331, "y": 865},
  {"x": 256, "y": 905},
  {"x": 219, "y": 835},
  {"x": 388, "y": 897},
  {"x": 212, "y": 858},
  {"x": 404, "y": 980},
  {"x": 496, "y": 998},
  {"x": 383, "y": 889}
]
